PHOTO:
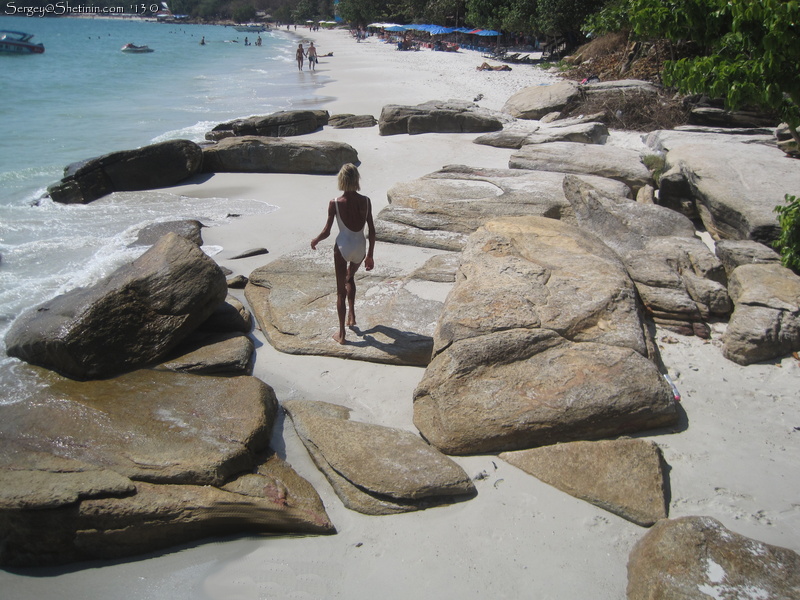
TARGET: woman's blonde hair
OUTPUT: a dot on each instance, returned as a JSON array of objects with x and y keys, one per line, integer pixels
[{"x": 349, "y": 178}]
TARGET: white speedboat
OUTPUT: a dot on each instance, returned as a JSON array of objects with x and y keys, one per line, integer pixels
[
  {"x": 251, "y": 27},
  {"x": 16, "y": 42},
  {"x": 134, "y": 49}
]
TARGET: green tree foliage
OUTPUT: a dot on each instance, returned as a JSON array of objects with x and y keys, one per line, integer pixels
[
  {"x": 788, "y": 243},
  {"x": 243, "y": 13},
  {"x": 361, "y": 12},
  {"x": 749, "y": 50}
]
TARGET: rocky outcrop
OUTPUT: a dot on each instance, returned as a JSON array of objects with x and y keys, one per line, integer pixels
[
  {"x": 736, "y": 181},
  {"x": 133, "y": 318},
  {"x": 144, "y": 461},
  {"x": 191, "y": 229},
  {"x": 252, "y": 154},
  {"x": 441, "y": 209},
  {"x": 213, "y": 354},
  {"x": 537, "y": 101},
  {"x": 154, "y": 166},
  {"x": 620, "y": 164},
  {"x": 437, "y": 117},
  {"x": 625, "y": 477},
  {"x": 696, "y": 557},
  {"x": 231, "y": 315},
  {"x": 678, "y": 278},
  {"x": 373, "y": 469},
  {"x": 584, "y": 133},
  {"x": 294, "y": 301},
  {"x": 765, "y": 323},
  {"x": 348, "y": 121},
  {"x": 734, "y": 253},
  {"x": 539, "y": 342},
  {"x": 280, "y": 124}
]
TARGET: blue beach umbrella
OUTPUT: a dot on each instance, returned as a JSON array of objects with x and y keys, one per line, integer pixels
[
  {"x": 439, "y": 30},
  {"x": 395, "y": 28},
  {"x": 487, "y": 33}
]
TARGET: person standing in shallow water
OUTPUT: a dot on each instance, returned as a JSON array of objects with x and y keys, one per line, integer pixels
[
  {"x": 312, "y": 57},
  {"x": 299, "y": 55},
  {"x": 353, "y": 212}
]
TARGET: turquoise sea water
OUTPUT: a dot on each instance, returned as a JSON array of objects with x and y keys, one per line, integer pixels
[{"x": 83, "y": 98}]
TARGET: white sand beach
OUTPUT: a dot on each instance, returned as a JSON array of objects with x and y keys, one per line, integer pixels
[{"x": 734, "y": 455}]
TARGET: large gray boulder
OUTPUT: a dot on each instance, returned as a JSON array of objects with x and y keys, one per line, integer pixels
[
  {"x": 373, "y": 469},
  {"x": 679, "y": 279},
  {"x": 539, "y": 342},
  {"x": 765, "y": 323},
  {"x": 697, "y": 557},
  {"x": 133, "y": 318},
  {"x": 253, "y": 154},
  {"x": 442, "y": 208},
  {"x": 154, "y": 166},
  {"x": 294, "y": 301},
  {"x": 621, "y": 164},
  {"x": 437, "y": 117},
  {"x": 537, "y": 101},
  {"x": 736, "y": 182},
  {"x": 141, "y": 462},
  {"x": 280, "y": 124},
  {"x": 625, "y": 477}
]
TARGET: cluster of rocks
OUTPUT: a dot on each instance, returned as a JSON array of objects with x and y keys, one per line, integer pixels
[
  {"x": 122, "y": 448},
  {"x": 541, "y": 351},
  {"x": 253, "y": 145}
]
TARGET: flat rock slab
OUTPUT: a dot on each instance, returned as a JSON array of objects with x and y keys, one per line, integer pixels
[
  {"x": 442, "y": 208},
  {"x": 625, "y": 477},
  {"x": 735, "y": 183},
  {"x": 272, "y": 499},
  {"x": 765, "y": 323},
  {"x": 584, "y": 133},
  {"x": 376, "y": 470},
  {"x": 437, "y": 117},
  {"x": 294, "y": 301},
  {"x": 145, "y": 461},
  {"x": 213, "y": 354},
  {"x": 539, "y": 342},
  {"x": 620, "y": 164},
  {"x": 146, "y": 425},
  {"x": 255, "y": 154},
  {"x": 697, "y": 557}
]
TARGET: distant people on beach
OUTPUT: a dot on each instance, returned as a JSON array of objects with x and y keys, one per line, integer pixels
[
  {"x": 258, "y": 41},
  {"x": 353, "y": 212},
  {"x": 300, "y": 56},
  {"x": 312, "y": 57}
]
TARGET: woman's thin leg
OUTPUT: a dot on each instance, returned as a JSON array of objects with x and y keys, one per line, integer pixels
[
  {"x": 350, "y": 287},
  {"x": 340, "y": 265}
]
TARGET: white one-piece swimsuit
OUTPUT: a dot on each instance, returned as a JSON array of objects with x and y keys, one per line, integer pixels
[{"x": 352, "y": 244}]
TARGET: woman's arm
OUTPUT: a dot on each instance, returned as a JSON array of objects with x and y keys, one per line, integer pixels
[
  {"x": 369, "y": 261},
  {"x": 326, "y": 231}
]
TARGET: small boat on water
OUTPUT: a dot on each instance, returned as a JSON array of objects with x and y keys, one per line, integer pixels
[
  {"x": 16, "y": 42},
  {"x": 251, "y": 27},
  {"x": 134, "y": 49}
]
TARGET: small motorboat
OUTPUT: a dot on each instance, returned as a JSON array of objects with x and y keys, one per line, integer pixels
[
  {"x": 252, "y": 27},
  {"x": 134, "y": 49},
  {"x": 16, "y": 42}
]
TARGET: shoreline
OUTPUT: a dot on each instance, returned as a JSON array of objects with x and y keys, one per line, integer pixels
[{"x": 731, "y": 459}]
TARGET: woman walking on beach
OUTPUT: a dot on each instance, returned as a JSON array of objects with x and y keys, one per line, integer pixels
[
  {"x": 352, "y": 212},
  {"x": 299, "y": 55}
]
